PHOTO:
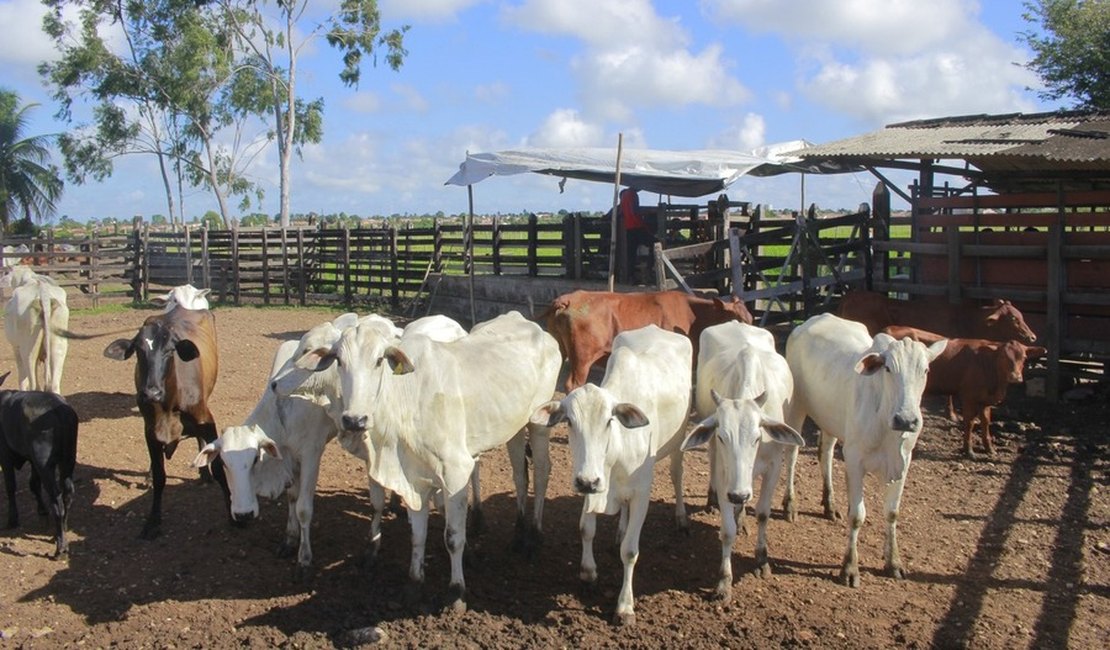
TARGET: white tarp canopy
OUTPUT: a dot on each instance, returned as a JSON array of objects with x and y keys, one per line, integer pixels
[{"x": 675, "y": 173}]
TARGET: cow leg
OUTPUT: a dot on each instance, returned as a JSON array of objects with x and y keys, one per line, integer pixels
[
  {"x": 789, "y": 497},
  {"x": 35, "y": 485},
  {"x": 57, "y": 509},
  {"x": 418, "y": 521},
  {"x": 892, "y": 504},
  {"x": 152, "y": 527},
  {"x": 26, "y": 372},
  {"x": 857, "y": 513},
  {"x": 518, "y": 458},
  {"x": 728, "y": 539},
  {"x": 969, "y": 417},
  {"x": 680, "y": 519},
  {"x": 9, "y": 488},
  {"x": 540, "y": 438},
  {"x": 292, "y": 528},
  {"x": 630, "y": 552},
  {"x": 309, "y": 475},
  {"x": 825, "y": 446},
  {"x": 55, "y": 364},
  {"x": 711, "y": 493},
  {"x": 587, "y": 527},
  {"x": 985, "y": 424},
  {"x": 767, "y": 485},
  {"x": 377, "y": 507},
  {"x": 454, "y": 536},
  {"x": 477, "y": 521}
]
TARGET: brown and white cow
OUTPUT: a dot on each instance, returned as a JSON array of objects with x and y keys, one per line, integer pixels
[
  {"x": 175, "y": 372},
  {"x": 586, "y": 322},
  {"x": 999, "y": 321},
  {"x": 975, "y": 371}
]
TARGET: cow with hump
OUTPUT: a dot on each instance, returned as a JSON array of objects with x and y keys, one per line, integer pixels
[
  {"x": 977, "y": 372},
  {"x": 866, "y": 393},
  {"x": 586, "y": 322},
  {"x": 35, "y": 320},
  {"x": 427, "y": 409},
  {"x": 743, "y": 385},
  {"x": 39, "y": 427},
  {"x": 176, "y": 364},
  {"x": 618, "y": 429}
]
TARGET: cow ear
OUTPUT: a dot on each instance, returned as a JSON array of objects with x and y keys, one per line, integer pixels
[
  {"x": 761, "y": 400},
  {"x": 399, "y": 362},
  {"x": 120, "y": 349},
  {"x": 701, "y": 434},
  {"x": 630, "y": 416},
  {"x": 268, "y": 446},
  {"x": 186, "y": 350},
  {"x": 159, "y": 301},
  {"x": 869, "y": 364},
  {"x": 201, "y": 293},
  {"x": 936, "y": 349},
  {"x": 316, "y": 360},
  {"x": 207, "y": 454},
  {"x": 549, "y": 414},
  {"x": 775, "y": 431}
]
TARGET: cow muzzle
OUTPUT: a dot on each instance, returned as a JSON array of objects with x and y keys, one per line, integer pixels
[
  {"x": 739, "y": 498},
  {"x": 243, "y": 518},
  {"x": 355, "y": 423},
  {"x": 586, "y": 485},
  {"x": 905, "y": 423}
]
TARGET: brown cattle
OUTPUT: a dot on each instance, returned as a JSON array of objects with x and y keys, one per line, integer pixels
[
  {"x": 175, "y": 372},
  {"x": 977, "y": 372},
  {"x": 586, "y": 322},
  {"x": 999, "y": 321}
]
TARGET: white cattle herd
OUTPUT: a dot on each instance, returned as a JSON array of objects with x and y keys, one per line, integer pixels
[{"x": 420, "y": 405}]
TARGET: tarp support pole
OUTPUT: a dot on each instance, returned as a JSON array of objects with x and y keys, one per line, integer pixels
[{"x": 615, "y": 213}]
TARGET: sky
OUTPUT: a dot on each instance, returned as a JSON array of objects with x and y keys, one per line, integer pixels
[{"x": 489, "y": 75}]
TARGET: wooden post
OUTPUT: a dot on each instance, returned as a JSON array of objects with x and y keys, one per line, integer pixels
[
  {"x": 303, "y": 279},
  {"x": 145, "y": 275},
  {"x": 577, "y": 244},
  {"x": 188, "y": 255},
  {"x": 1054, "y": 304},
  {"x": 205, "y": 259},
  {"x": 880, "y": 221},
  {"x": 496, "y": 238},
  {"x": 953, "y": 233},
  {"x": 533, "y": 245},
  {"x": 394, "y": 271},
  {"x": 735, "y": 262},
  {"x": 613, "y": 230},
  {"x": 94, "y": 267},
  {"x": 265, "y": 265},
  {"x": 806, "y": 226},
  {"x": 235, "y": 262},
  {"x": 437, "y": 246},
  {"x": 346, "y": 265},
  {"x": 285, "y": 265}
]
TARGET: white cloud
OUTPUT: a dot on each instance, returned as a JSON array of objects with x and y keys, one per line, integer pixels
[
  {"x": 411, "y": 97},
  {"x": 884, "y": 61},
  {"x": 24, "y": 45},
  {"x": 566, "y": 128},
  {"x": 633, "y": 57},
  {"x": 426, "y": 10},
  {"x": 362, "y": 102},
  {"x": 492, "y": 93},
  {"x": 747, "y": 135}
]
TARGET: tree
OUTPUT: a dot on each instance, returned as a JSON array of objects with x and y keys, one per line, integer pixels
[
  {"x": 1072, "y": 55},
  {"x": 29, "y": 185},
  {"x": 167, "y": 90},
  {"x": 276, "y": 42}
]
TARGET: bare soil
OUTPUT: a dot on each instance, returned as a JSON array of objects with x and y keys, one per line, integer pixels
[{"x": 1012, "y": 552}]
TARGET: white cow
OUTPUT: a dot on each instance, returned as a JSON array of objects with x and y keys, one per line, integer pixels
[
  {"x": 429, "y": 408},
  {"x": 618, "y": 429},
  {"x": 278, "y": 447},
  {"x": 743, "y": 385},
  {"x": 35, "y": 320},
  {"x": 185, "y": 295},
  {"x": 866, "y": 393}
]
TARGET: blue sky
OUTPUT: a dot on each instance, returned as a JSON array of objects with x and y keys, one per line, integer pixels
[{"x": 486, "y": 75}]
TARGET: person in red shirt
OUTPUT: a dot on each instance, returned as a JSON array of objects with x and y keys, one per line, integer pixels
[{"x": 637, "y": 231}]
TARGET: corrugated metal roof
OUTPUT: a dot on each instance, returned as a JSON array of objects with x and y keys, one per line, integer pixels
[{"x": 1060, "y": 136}]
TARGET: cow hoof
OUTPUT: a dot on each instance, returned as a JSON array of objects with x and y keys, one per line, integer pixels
[
  {"x": 303, "y": 574},
  {"x": 456, "y": 599},
  {"x": 587, "y": 587},
  {"x": 285, "y": 549},
  {"x": 626, "y": 619},
  {"x": 790, "y": 512},
  {"x": 723, "y": 592},
  {"x": 849, "y": 577},
  {"x": 762, "y": 571},
  {"x": 151, "y": 531},
  {"x": 896, "y": 572}
]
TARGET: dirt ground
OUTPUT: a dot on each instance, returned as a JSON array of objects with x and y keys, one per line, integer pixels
[{"x": 1009, "y": 553}]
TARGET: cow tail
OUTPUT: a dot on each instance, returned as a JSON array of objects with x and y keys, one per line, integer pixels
[{"x": 47, "y": 304}]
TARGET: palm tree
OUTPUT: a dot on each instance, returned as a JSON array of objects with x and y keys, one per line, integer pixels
[{"x": 29, "y": 184}]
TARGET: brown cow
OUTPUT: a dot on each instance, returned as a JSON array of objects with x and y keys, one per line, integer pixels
[
  {"x": 1000, "y": 321},
  {"x": 586, "y": 322},
  {"x": 175, "y": 371},
  {"x": 977, "y": 372}
]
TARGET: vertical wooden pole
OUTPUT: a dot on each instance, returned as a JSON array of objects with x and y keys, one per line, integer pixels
[
  {"x": 954, "y": 261},
  {"x": 285, "y": 265},
  {"x": 533, "y": 245},
  {"x": 235, "y": 261},
  {"x": 188, "y": 243},
  {"x": 302, "y": 280},
  {"x": 470, "y": 251},
  {"x": 145, "y": 275},
  {"x": 577, "y": 246},
  {"x": 265, "y": 265},
  {"x": 346, "y": 265},
  {"x": 394, "y": 271},
  {"x": 496, "y": 241},
  {"x": 205, "y": 259},
  {"x": 94, "y": 267},
  {"x": 735, "y": 263},
  {"x": 1054, "y": 305},
  {"x": 616, "y": 214}
]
